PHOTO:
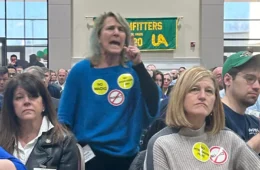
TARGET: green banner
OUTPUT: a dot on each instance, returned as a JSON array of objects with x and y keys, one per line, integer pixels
[{"x": 154, "y": 33}]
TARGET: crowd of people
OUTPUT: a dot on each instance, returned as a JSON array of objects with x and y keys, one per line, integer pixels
[{"x": 110, "y": 112}]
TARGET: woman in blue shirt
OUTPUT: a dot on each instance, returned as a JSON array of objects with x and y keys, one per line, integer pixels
[{"x": 110, "y": 97}]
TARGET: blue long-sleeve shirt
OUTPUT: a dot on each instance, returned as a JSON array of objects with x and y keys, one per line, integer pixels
[
  {"x": 106, "y": 108},
  {"x": 15, "y": 161}
]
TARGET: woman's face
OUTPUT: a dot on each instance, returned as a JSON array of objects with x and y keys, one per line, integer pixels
[
  {"x": 112, "y": 37},
  {"x": 53, "y": 77},
  {"x": 167, "y": 80},
  {"x": 200, "y": 99},
  {"x": 27, "y": 107},
  {"x": 158, "y": 80}
]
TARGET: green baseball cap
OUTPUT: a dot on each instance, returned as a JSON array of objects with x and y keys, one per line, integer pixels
[{"x": 236, "y": 60}]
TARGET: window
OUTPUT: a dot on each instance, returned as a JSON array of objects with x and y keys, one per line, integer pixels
[
  {"x": 2, "y": 28},
  {"x": 241, "y": 25},
  {"x": 2, "y": 9},
  {"x": 31, "y": 13},
  {"x": 32, "y": 50},
  {"x": 236, "y": 10},
  {"x": 15, "y": 29},
  {"x": 36, "y": 28},
  {"x": 237, "y": 43},
  {"x": 36, "y": 43},
  {"x": 242, "y": 29},
  {"x": 15, "y": 9},
  {"x": 236, "y": 26},
  {"x": 15, "y": 42},
  {"x": 24, "y": 25}
]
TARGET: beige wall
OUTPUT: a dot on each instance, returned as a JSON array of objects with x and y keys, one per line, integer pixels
[
  {"x": 211, "y": 33},
  {"x": 60, "y": 34},
  {"x": 202, "y": 23},
  {"x": 188, "y": 32}
]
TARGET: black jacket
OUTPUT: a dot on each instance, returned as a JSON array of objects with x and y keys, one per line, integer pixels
[
  {"x": 36, "y": 63},
  {"x": 49, "y": 155},
  {"x": 55, "y": 103},
  {"x": 157, "y": 125}
]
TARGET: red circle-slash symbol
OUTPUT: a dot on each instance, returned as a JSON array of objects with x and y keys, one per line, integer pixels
[
  {"x": 116, "y": 97},
  {"x": 218, "y": 155}
]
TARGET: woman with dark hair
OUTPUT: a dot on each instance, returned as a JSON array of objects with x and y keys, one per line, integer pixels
[
  {"x": 53, "y": 77},
  {"x": 158, "y": 77},
  {"x": 29, "y": 127}
]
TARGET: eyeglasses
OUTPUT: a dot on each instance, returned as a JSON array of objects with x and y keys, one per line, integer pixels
[
  {"x": 250, "y": 78},
  {"x": 160, "y": 80},
  {"x": 167, "y": 79}
]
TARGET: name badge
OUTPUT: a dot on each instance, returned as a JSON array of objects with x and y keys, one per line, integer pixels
[{"x": 88, "y": 153}]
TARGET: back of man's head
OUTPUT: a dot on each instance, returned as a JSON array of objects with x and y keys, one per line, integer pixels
[
  {"x": 3, "y": 70},
  {"x": 35, "y": 70},
  {"x": 45, "y": 70},
  {"x": 33, "y": 58}
]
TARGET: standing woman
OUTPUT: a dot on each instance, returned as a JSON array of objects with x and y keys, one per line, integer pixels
[
  {"x": 107, "y": 101},
  {"x": 30, "y": 129}
]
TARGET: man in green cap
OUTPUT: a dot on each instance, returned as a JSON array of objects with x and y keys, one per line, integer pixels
[{"x": 241, "y": 77}]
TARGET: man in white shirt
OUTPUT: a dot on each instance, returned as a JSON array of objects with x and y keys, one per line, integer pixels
[{"x": 62, "y": 76}]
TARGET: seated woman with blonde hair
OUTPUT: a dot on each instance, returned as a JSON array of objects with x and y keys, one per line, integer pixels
[
  {"x": 30, "y": 130},
  {"x": 195, "y": 137}
]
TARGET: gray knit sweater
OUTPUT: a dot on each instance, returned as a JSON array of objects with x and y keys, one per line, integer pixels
[{"x": 173, "y": 149}]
